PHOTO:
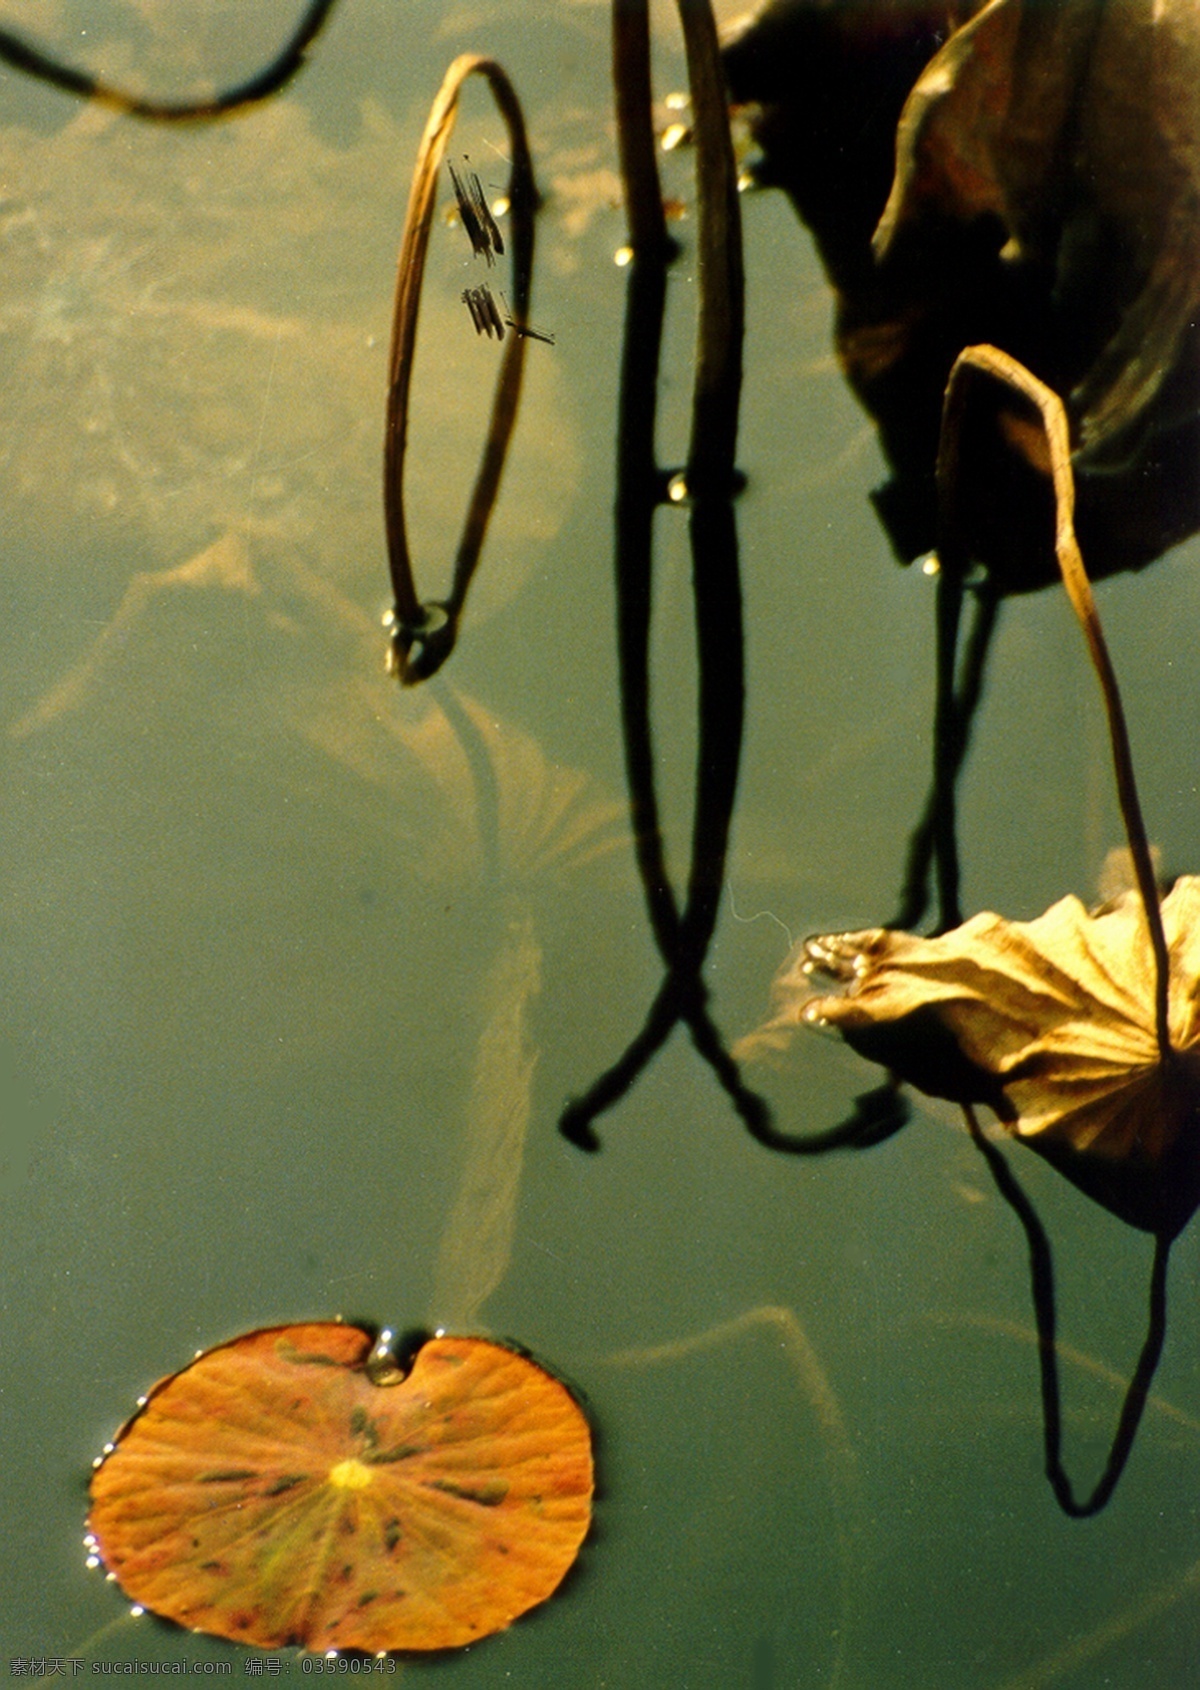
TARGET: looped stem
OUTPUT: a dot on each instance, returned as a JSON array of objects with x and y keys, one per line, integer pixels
[
  {"x": 1002, "y": 367},
  {"x": 28, "y": 57},
  {"x": 425, "y": 633},
  {"x": 682, "y": 932}
]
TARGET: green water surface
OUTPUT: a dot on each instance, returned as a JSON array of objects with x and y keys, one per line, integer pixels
[{"x": 256, "y": 903}]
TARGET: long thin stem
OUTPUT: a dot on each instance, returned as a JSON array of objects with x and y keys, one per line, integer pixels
[
  {"x": 425, "y": 633},
  {"x": 951, "y": 739},
  {"x": 31, "y": 59},
  {"x": 639, "y": 482},
  {"x": 716, "y": 392},
  {"x": 1041, "y": 1273},
  {"x": 1005, "y": 369},
  {"x": 720, "y": 323},
  {"x": 683, "y": 936}
]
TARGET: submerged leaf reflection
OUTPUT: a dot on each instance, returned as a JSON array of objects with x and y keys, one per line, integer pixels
[
  {"x": 1009, "y": 172},
  {"x": 1024, "y": 175},
  {"x": 468, "y": 797}
]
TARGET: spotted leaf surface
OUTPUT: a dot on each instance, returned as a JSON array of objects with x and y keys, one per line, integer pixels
[{"x": 273, "y": 1493}]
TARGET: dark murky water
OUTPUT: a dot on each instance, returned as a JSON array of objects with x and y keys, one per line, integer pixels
[{"x": 259, "y": 909}]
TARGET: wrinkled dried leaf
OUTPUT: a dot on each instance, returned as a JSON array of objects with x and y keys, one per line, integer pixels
[
  {"x": 1050, "y": 1022},
  {"x": 1036, "y": 168},
  {"x": 273, "y": 1493},
  {"x": 1077, "y": 126}
]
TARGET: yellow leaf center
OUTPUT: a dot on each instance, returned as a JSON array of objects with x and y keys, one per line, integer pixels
[{"x": 350, "y": 1475}]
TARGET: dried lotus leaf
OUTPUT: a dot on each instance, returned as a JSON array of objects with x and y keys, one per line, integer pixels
[{"x": 1050, "y": 1022}]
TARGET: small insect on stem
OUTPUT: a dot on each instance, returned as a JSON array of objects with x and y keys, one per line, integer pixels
[
  {"x": 482, "y": 229},
  {"x": 483, "y": 212},
  {"x": 526, "y": 330},
  {"x": 528, "y": 333},
  {"x": 484, "y": 311}
]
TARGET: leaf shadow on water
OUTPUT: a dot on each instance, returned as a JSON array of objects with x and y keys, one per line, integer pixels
[
  {"x": 783, "y": 1330},
  {"x": 1070, "y": 1660}
]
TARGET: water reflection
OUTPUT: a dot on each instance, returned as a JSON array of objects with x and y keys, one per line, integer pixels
[
  {"x": 263, "y": 1065},
  {"x": 130, "y": 296},
  {"x": 983, "y": 198},
  {"x": 28, "y": 56}
]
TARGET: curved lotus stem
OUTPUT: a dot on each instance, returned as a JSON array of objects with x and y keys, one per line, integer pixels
[
  {"x": 1041, "y": 1274},
  {"x": 682, "y": 934},
  {"x": 291, "y": 57},
  {"x": 432, "y": 628},
  {"x": 1005, "y": 369}
]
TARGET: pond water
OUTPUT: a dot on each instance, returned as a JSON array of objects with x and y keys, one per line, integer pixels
[{"x": 289, "y": 954}]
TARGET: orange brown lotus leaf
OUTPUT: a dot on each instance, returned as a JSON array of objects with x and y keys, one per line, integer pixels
[
  {"x": 1050, "y": 1022},
  {"x": 273, "y": 1493}
]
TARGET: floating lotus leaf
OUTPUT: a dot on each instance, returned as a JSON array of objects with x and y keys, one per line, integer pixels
[
  {"x": 274, "y": 1493},
  {"x": 1049, "y": 1022}
]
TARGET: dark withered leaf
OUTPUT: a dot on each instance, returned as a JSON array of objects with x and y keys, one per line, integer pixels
[
  {"x": 1076, "y": 126},
  {"x": 1024, "y": 174}
]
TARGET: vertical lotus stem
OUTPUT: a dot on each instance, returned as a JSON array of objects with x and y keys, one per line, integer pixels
[
  {"x": 683, "y": 938},
  {"x": 716, "y": 394},
  {"x": 718, "y": 379},
  {"x": 935, "y": 833},
  {"x": 644, "y": 213},
  {"x": 1006, "y": 369},
  {"x": 432, "y": 629},
  {"x": 638, "y": 479}
]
